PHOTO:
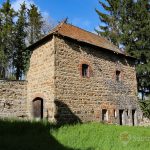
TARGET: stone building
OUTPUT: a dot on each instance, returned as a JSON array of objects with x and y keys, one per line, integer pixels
[{"x": 74, "y": 76}]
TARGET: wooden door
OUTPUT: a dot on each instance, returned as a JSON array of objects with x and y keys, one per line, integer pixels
[{"x": 38, "y": 108}]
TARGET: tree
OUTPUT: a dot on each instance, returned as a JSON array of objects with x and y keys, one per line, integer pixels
[
  {"x": 7, "y": 14},
  {"x": 19, "y": 54},
  {"x": 17, "y": 31},
  {"x": 48, "y": 25},
  {"x": 111, "y": 20},
  {"x": 127, "y": 24},
  {"x": 35, "y": 22},
  {"x": 2, "y": 56}
]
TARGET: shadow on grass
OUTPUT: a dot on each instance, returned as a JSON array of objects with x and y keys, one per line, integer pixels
[{"x": 21, "y": 135}]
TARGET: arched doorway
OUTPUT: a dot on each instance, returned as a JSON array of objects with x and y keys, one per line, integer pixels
[{"x": 38, "y": 108}]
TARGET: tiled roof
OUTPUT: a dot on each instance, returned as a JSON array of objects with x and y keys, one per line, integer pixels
[
  {"x": 73, "y": 32},
  {"x": 76, "y": 33}
]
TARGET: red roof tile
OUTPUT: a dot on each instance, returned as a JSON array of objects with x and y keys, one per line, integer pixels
[
  {"x": 76, "y": 33},
  {"x": 73, "y": 32}
]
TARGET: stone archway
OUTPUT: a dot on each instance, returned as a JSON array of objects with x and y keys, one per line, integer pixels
[{"x": 37, "y": 106}]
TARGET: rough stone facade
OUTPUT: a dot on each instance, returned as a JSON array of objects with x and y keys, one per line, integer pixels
[
  {"x": 40, "y": 79},
  {"x": 86, "y": 97},
  {"x": 57, "y": 90},
  {"x": 13, "y": 99}
]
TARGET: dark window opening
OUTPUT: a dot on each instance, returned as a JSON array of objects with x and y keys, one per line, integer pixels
[
  {"x": 127, "y": 113},
  {"x": 121, "y": 117},
  {"x": 104, "y": 115},
  {"x": 85, "y": 70},
  {"x": 117, "y": 75},
  {"x": 133, "y": 117}
]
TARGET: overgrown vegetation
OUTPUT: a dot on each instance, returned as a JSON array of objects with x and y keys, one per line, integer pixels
[
  {"x": 19, "y": 29},
  {"x": 24, "y": 135},
  {"x": 145, "y": 106}
]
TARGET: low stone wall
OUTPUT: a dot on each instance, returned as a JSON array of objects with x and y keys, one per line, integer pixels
[{"x": 13, "y": 99}]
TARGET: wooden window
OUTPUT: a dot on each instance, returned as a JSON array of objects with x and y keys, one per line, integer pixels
[
  {"x": 117, "y": 75},
  {"x": 85, "y": 70}
]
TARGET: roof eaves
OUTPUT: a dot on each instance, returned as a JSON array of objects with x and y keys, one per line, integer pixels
[{"x": 57, "y": 33}]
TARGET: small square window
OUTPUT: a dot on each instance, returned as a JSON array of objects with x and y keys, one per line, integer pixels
[
  {"x": 117, "y": 75},
  {"x": 85, "y": 70}
]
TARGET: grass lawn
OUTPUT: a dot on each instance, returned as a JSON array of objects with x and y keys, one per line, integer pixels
[{"x": 22, "y": 135}]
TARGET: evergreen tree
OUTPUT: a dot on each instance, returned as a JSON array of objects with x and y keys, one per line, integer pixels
[
  {"x": 2, "y": 56},
  {"x": 7, "y": 34},
  {"x": 35, "y": 21},
  {"x": 141, "y": 46},
  {"x": 17, "y": 31},
  {"x": 19, "y": 56},
  {"x": 111, "y": 20}
]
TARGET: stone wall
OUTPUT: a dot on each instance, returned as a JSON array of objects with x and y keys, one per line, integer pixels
[
  {"x": 82, "y": 99},
  {"x": 40, "y": 79},
  {"x": 13, "y": 100}
]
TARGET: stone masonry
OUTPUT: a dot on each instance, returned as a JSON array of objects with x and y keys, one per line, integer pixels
[
  {"x": 60, "y": 89},
  {"x": 86, "y": 97},
  {"x": 13, "y": 98},
  {"x": 41, "y": 79}
]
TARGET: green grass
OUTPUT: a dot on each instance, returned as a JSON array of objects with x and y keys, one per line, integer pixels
[{"x": 22, "y": 135}]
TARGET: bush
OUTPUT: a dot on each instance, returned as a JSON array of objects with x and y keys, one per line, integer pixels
[{"x": 145, "y": 107}]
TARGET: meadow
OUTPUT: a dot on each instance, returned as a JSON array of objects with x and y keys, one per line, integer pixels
[{"x": 25, "y": 135}]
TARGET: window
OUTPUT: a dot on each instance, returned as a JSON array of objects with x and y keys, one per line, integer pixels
[
  {"x": 133, "y": 117},
  {"x": 117, "y": 75},
  {"x": 121, "y": 117},
  {"x": 127, "y": 112},
  {"x": 104, "y": 115},
  {"x": 85, "y": 70}
]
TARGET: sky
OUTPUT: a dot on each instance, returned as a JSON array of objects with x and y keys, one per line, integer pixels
[{"x": 79, "y": 12}]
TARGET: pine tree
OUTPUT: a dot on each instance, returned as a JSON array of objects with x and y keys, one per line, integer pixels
[
  {"x": 111, "y": 20},
  {"x": 2, "y": 56},
  {"x": 17, "y": 31},
  {"x": 35, "y": 24},
  {"x": 141, "y": 49},
  {"x": 19, "y": 55},
  {"x": 7, "y": 34}
]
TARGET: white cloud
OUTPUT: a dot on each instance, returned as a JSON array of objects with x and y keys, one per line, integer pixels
[{"x": 16, "y": 4}]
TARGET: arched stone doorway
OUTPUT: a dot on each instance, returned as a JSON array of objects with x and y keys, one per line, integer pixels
[{"x": 37, "y": 108}]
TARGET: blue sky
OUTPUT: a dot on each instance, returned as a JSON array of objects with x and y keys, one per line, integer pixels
[{"x": 80, "y": 12}]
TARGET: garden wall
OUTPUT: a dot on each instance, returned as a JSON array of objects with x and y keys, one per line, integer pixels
[{"x": 13, "y": 99}]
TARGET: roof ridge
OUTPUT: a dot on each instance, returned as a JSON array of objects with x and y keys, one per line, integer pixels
[{"x": 94, "y": 34}]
